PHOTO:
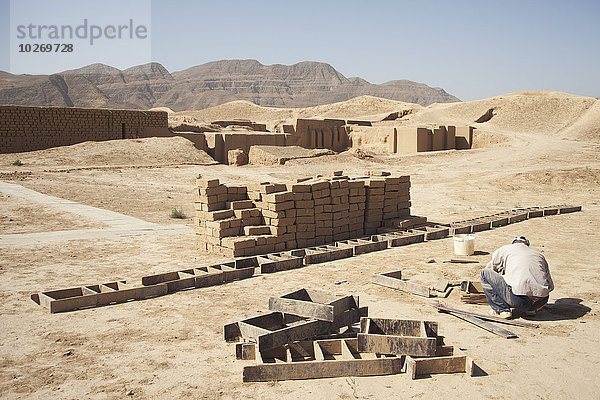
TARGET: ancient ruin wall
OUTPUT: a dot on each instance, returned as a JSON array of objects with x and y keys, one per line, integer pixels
[
  {"x": 36, "y": 128},
  {"x": 263, "y": 218}
]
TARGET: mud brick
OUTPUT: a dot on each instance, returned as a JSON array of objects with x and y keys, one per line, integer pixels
[
  {"x": 212, "y": 240},
  {"x": 303, "y": 196},
  {"x": 322, "y": 201},
  {"x": 405, "y": 204},
  {"x": 390, "y": 195},
  {"x": 324, "y": 231},
  {"x": 374, "y": 206},
  {"x": 328, "y": 208},
  {"x": 257, "y": 230},
  {"x": 344, "y": 183},
  {"x": 340, "y": 215},
  {"x": 278, "y": 197},
  {"x": 221, "y": 198},
  {"x": 238, "y": 243},
  {"x": 212, "y": 206},
  {"x": 339, "y": 222},
  {"x": 235, "y": 231},
  {"x": 392, "y": 180},
  {"x": 299, "y": 187},
  {"x": 221, "y": 224},
  {"x": 244, "y": 213},
  {"x": 305, "y": 212},
  {"x": 291, "y": 213},
  {"x": 305, "y": 235},
  {"x": 357, "y": 199},
  {"x": 305, "y": 220},
  {"x": 391, "y": 215},
  {"x": 305, "y": 204},
  {"x": 282, "y": 221},
  {"x": 403, "y": 198},
  {"x": 321, "y": 194},
  {"x": 373, "y": 218},
  {"x": 206, "y": 199},
  {"x": 377, "y": 191},
  {"x": 390, "y": 208},
  {"x": 340, "y": 207},
  {"x": 213, "y": 191},
  {"x": 264, "y": 249},
  {"x": 292, "y": 244},
  {"x": 287, "y": 205},
  {"x": 274, "y": 214},
  {"x": 319, "y": 209},
  {"x": 251, "y": 221},
  {"x": 207, "y": 183},
  {"x": 375, "y": 183},
  {"x": 217, "y": 215},
  {"x": 275, "y": 230},
  {"x": 268, "y": 188},
  {"x": 323, "y": 217},
  {"x": 291, "y": 229},
  {"x": 240, "y": 204},
  {"x": 319, "y": 186}
]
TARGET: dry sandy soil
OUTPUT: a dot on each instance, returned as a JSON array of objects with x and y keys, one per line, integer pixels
[{"x": 173, "y": 347}]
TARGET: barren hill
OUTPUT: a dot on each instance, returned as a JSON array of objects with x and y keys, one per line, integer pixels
[{"x": 151, "y": 85}]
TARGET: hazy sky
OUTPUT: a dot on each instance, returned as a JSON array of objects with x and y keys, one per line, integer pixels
[{"x": 472, "y": 48}]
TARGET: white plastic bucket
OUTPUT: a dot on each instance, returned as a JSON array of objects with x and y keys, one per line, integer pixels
[{"x": 464, "y": 245}]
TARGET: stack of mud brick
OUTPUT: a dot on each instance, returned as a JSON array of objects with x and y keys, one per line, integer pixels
[
  {"x": 304, "y": 202},
  {"x": 272, "y": 217}
]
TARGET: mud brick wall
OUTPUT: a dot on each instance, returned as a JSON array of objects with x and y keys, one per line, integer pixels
[
  {"x": 36, "y": 128},
  {"x": 270, "y": 217}
]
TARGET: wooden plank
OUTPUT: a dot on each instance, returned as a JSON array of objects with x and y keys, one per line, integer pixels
[
  {"x": 435, "y": 365},
  {"x": 486, "y": 325},
  {"x": 443, "y": 308},
  {"x": 322, "y": 312},
  {"x": 307, "y": 329},
  {"x": 398, "y": 327},
  {"x": 398, "y": 345},
  {"x": 391, "y": 282},
  {"x": 322, "y": 369}
]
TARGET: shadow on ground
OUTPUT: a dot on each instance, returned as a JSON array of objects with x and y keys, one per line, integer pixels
[{"x": 562, "y": 309}]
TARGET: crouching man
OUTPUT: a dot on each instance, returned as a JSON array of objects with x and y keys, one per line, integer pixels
[{"x": 517, "y": 277}]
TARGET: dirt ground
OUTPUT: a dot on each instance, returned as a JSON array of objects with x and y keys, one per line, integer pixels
[{"x": 173, "y": 347}]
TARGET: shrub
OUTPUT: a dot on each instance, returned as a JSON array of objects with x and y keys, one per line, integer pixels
[
  {"x": 175, "y": 213},
  {"x": 17, "y": 162}
]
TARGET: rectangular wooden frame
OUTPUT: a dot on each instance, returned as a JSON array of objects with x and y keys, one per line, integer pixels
[
  {"x": 322, "y": 359},
  {"x": 277, "y": 329},
  {"x": 399, "y": 337},
  {"x": 95, "y": 295},
  {"x": 315, "y": 304}
]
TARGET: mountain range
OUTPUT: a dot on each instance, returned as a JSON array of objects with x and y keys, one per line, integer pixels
[{"x": 152, "y": 85}]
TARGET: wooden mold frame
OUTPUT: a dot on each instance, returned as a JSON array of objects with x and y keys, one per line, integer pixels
[
  {"x": 362, "y": 245},
  {"x": 396, "y": 239},
  {"x": 330, "y": 358},
  {"x": 276, "y": 262},
  {"x": 472, "y": 293},
  {"x": 432, "y": 231},
  {"x": 315, "y": 304},
  {"x": 321, "y": 254},
  {"x": 393, "y": 280},
  {"x": 397, "y": 336},
  {"x": 276, "y": 329},
  {"x": 95, "y": 295},
  {"x": 204, "y": 276},
  {"x": 445, "y": 361}
]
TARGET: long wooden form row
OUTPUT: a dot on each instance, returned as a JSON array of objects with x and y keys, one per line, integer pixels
[{"x": 160, "y": 284}]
